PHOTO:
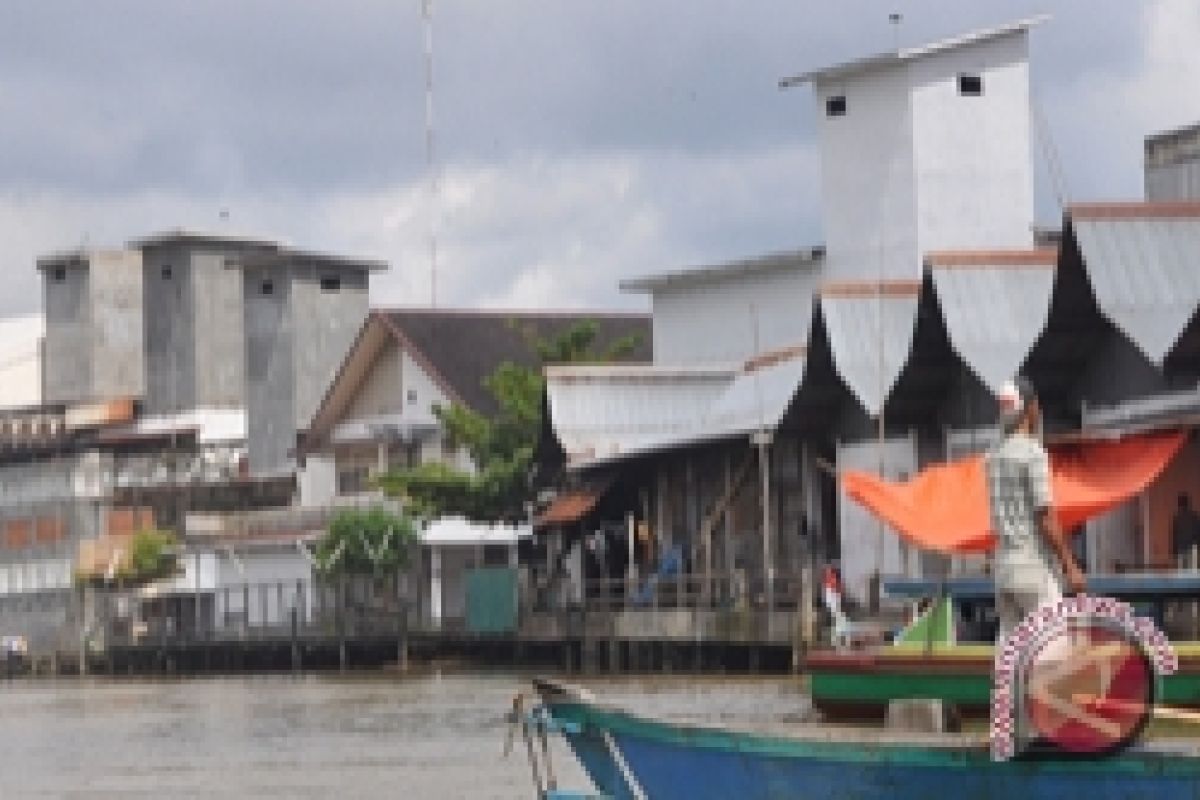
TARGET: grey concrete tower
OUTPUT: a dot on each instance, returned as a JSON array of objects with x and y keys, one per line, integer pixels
[
  {"x": 1173, "y": 165},
  {"x": 195, "y": 342},
  {"x": 94, "y": 342},
  {"x": 301, "y": 313}
]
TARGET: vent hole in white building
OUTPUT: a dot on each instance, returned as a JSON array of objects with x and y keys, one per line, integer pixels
[
  {"x": 835, "y": 106},
  {"x": 970, "y": 85}
]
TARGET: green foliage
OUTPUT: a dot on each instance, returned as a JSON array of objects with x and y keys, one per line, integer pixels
[
  {"x": 150, "y": 555},
  {"x": 501, "y": 446},
  {"x": 369, "y": 540}
]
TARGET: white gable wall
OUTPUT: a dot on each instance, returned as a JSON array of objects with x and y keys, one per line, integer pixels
[
  {"x": 712, "y": 322},
  {"x": 913, "y": 166},
  {"x": 867, "y": 187},
  {"x": 973, "y": 155},
  {"x": 380, "y": 392}
]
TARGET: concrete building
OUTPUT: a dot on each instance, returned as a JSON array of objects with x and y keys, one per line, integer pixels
[
  {"x": 94, "y": 344},
  {"x": 194, "y": 321},
  {"x": 76, "y": 482},
  {"x": 1173, "y": 165},
  {"x": 925, "y": 148},
  {"x": 21, "y": 346},
  {"x": 301, "y": 314}
]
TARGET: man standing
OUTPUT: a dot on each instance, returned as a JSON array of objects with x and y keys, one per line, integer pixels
[
  {"x": 1185, "y": 533},
  {"x": 1034, "y": 564}
]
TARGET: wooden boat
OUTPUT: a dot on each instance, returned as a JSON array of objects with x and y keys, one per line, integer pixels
[
  {"x": 635, "y": 757},
  {"x": 859, "y": 685}
]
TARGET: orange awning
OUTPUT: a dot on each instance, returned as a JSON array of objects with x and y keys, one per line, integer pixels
[{"x": 945, "y": 508}]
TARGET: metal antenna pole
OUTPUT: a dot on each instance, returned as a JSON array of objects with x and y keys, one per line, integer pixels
[
  {"x": 895, "y": 18},
  {"x": 762, "y": 439},
  {"x": 430, "y": 152}
]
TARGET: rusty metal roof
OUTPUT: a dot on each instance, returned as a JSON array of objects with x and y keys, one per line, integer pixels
[{"x": 572, "y": 506}]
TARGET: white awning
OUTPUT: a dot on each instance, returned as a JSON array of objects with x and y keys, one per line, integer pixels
[
  {"x": 599, "y": 412},
  {"x": 460, "y": 531},
  {"x": 870, "y": 327},
  {"x": 1143, "y": 262},
  {"x": 995, "y": 306}
]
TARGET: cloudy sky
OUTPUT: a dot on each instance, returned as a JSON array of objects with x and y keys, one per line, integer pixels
[{"x": 579, "y": 141}]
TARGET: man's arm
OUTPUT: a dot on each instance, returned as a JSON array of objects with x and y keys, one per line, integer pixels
[{"x": 1049, "y": 528}]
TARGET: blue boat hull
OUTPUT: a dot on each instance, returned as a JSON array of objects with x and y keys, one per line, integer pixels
[{"x": 628, "y": 756}]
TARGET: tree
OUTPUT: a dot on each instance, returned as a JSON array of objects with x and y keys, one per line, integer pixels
[
  {"x": 370, "y": 541},
  {"x": 151, "y": 556},
  {"x": 148, "y": 555},
  {"x": 501, "y": 446}
]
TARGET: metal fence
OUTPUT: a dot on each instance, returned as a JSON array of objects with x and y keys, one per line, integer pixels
[{"x": 346, "y": 608}]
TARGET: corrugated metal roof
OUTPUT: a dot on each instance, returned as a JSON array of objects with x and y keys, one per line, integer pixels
[
  {"x": 995, "y": 306},
  {"x": 602, "y": 412},
  {"x": 570, "y": 507},
  {"x": 908, "y": 54},
  {"x": 1143, "y": 262},
  {"x": 757, "y": 398},
  {"x": 807, "y": 258},
  {"x": 870, "y": 328},
  {"x": 600, "y": 419}
]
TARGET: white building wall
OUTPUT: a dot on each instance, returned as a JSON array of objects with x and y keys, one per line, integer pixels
[
  {"x": 714, "y": 322},
  {"x": 21, "y": 361},
  {"x": 973, "y": 155},
  {"x": 914, "y": 166},
  {"x": 380, "y": 392},
  {"x": 419, "y": 391},
  {"x": 317, "y": 480},
  {"x": 867, "y": 187},
  {"x": 261, "y": 588}
]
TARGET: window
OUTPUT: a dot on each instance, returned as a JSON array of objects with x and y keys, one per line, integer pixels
[
  {"x": 166, "y": 272},
  {"x": 412, "y": 397},
  {"x": 268, "y": 287},
  {"x": 970, "y": 85},
  {"x": 354, "y": 480},
  {"x": 331, "y": 283},
  {"x": 835, "y": 106},
  {"x": 59, "y": 274}
]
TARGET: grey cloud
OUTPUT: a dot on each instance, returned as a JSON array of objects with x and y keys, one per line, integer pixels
[
  {"x": 276, "y": 94},
  {"x": 130, "y": 115}
]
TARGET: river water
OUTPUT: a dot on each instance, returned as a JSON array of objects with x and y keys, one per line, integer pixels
[{"x": 430, "y": 735}]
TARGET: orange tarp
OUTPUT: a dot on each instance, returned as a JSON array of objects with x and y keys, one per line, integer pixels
[{"x": 945, "y": 507}]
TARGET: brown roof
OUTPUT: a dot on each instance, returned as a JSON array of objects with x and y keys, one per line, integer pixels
[
  {"x": 459, "y": 349},
  {"x": 949, "y": 259},
  {"x": 462, "y": 348},
  {"x": 1159, "y": 210}
]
